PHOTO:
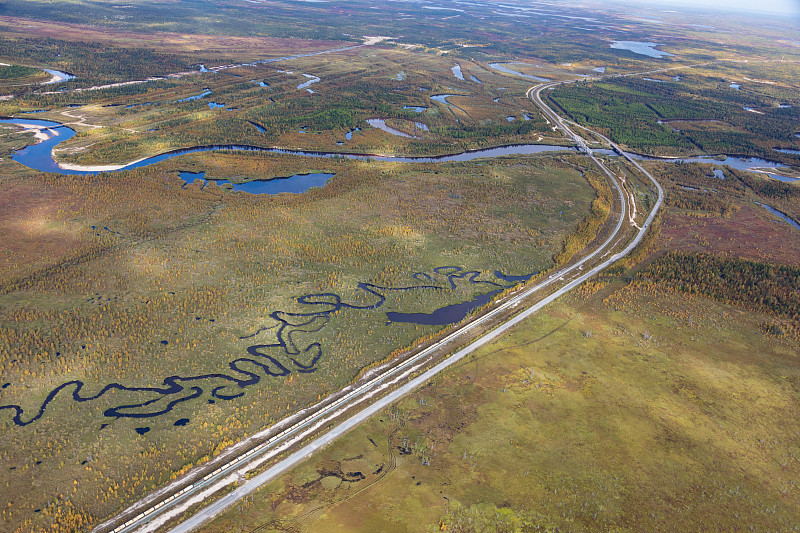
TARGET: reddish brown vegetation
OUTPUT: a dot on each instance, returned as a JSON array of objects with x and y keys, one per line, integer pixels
[
  {"x": 32, "y": 226},
  {"x": 228, "y": 46},
  {"x": 751, "y": 233}
]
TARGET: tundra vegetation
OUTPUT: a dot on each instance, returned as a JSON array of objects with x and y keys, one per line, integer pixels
[{"x": 135, "y": 308}]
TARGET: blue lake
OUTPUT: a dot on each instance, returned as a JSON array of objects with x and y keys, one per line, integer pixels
[
  {"x": 297, "y": 184},
  {"x": 451, "y": 314},
  {"x": 443, "y": 316},
  {"x": 641, "y": 48},
  {"x": 190, "y": 177},
  {"x": 739, "y": 163},
  {"x": 502, "y": 68}
]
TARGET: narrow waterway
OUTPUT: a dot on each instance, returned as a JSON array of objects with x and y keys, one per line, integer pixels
[{"x": 40, "y": 156}]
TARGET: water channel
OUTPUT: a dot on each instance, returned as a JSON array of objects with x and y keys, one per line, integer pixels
[
  {"x": 273, "y": 360},
  {"x": 738, "y": 163},
  {"x": 780, "y": 214},
  {"x": 503, "y": 68},
  {"x": 58, "y": 76},
  {"x": 40, "y": 156}
]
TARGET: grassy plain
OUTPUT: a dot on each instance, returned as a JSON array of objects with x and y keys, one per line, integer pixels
[
  {"x": 176, "y": 275},
  {"x": 132, "y": 278},
  {"x": 667, "y": 414},
  {"x": 625, "y": 406}
]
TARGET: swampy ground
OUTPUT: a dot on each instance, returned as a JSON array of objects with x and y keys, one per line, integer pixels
[
  {"x": 673, "y": 410},
  {"x": 660, "y": 396},
  {"x": 624, "y": 406}
]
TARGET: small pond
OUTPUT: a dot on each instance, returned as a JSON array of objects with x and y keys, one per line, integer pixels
[
  {"x": 641, "y": 48},
  {"x": 205, "y": 93},
  {"x": 381, "y": 125},
  {"x": 297, "y": 184},
  {"x": 502, "y": 68}
]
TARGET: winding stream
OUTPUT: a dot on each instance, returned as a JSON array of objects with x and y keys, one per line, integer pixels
[
  {"x": 272, "y": 360},
  {"x": 40, "y": 156},
  {"x": 738, "y": 163},
  {"x": 780, "y": 214},
  {"x": 58, "y": 76}
]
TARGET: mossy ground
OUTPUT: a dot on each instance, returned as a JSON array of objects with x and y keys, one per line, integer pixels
[
  {"x": 199, "y": 268},
  {"x": 583, "y": 418}
]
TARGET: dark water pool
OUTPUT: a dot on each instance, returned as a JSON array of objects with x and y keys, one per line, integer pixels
[{"x": 296, "y": 184}]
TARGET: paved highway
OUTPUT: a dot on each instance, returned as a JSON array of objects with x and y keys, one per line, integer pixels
[
  {"x": 151, "y": 517},
  {"x": 217, "y": 507}
]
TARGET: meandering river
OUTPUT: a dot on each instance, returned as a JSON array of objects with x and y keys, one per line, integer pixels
[{"x": 40, "y": 156}]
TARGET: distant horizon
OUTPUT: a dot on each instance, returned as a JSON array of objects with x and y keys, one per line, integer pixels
[{"x": 779, "y": 7}]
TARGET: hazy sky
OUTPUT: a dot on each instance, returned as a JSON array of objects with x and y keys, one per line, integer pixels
[{"x": 773, "y": 6}]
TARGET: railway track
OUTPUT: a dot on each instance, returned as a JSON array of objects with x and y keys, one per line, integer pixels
[{"x": 381, "y": 390}]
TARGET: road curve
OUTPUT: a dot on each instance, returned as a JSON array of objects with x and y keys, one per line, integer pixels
[
  {"x": 179, "y": 503},
  {"x": 217, "y": 507}
]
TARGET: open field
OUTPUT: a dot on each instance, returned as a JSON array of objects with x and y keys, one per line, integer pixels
[
  {"x": 688, "y": 389},
  {"x": 229, "y": 46},
  {"x": 541, "y": 429},
  {"x": 584, "y": 418},
  {"x": 147, "y": 323},
  {"x": 176, "y": 276}
]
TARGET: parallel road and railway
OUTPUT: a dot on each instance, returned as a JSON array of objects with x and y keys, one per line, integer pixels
[{"x": 383, "y": 389}]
